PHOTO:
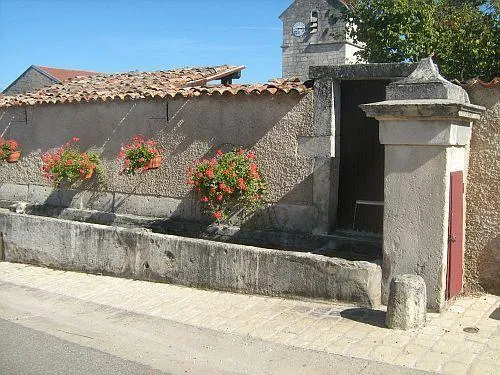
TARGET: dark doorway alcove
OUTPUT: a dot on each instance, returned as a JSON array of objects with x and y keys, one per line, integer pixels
[{"x": 361, "y": 179}]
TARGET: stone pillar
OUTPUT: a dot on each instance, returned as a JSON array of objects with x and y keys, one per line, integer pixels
[
  {"x": 407, "y": 303},
  {"x": 322, "y": 145},
  {"x": 425, "y": 125}
]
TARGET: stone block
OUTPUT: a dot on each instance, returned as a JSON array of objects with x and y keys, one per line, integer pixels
[
  {"x": 407, "y": 302},
  {"x": 13, "y": 192},
  {"x": 40, "y": 194},
  {"x": 149, "y": 205},
  {"x": 316, "y": 146}
]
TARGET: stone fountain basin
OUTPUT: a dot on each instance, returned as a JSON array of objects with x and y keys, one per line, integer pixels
[{"x": 140, "y": 253}]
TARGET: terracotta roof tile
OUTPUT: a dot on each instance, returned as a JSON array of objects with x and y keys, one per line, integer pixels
[
  {"x": 188, "y": 82},
  {"x": 476, "y": 81},
  {"x": 65, "y": 74}
]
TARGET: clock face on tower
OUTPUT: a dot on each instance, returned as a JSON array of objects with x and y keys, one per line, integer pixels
[{"x": 299, "y": 29}]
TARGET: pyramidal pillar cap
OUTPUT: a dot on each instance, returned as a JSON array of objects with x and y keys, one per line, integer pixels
[{"x": 426, "y": 83}]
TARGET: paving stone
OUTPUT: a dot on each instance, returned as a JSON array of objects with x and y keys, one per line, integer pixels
[
  {"x": 405, "y": 359},
  {"x": 339, "y": 345},
  {"x": 444, "y": 346},
  {"x": 359, "y": 350},
  {"x": 463, "y": 356},
  {"x": 454, "y": 368},
  {"x": 415, "y": 349},
  {"x": 431, "y": 361},
  {"x": 355, "y": 333},
  {"x": 396, "y": 340},
  {"x": 489, "y": 356},
  {"x": 330, "y": 329},
  {"x": 385, "y": 354},
  {"x": 483, "y": 369},
  {"x": 471, "y": 346}
]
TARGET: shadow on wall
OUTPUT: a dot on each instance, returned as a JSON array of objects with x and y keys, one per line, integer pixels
[
  {"x": 187, "y": 129},
  {"x": 489, "y": 266},
  {"x": 223, "y": 121}
]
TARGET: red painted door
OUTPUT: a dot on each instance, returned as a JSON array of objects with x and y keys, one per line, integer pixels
[{"x": 455, "y": 235}]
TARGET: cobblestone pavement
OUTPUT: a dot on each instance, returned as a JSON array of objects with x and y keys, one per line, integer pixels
[{"x": 443, "y": 345}]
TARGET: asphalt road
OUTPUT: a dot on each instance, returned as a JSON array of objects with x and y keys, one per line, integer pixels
[{"x": 24, "y": 351}]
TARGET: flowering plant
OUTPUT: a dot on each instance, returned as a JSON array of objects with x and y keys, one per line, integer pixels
[
  {"x": 7, "y": 147},
  {"x": 138, "y": 155},
  {"x": 228, "y": 183},
  {"x": 67, "y": 163}
]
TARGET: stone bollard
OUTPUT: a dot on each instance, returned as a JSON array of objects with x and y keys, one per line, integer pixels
[{"x": 406, "y": 307}]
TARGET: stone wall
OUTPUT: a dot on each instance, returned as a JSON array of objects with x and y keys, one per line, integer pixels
[
  {"x": 328, "y": 46},
  {"x": 30, "y": 80},
  {"x": 187, "y": 129},
  {"x": 482, "y": 253}
]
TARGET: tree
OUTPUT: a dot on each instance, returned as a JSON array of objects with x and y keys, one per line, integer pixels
[{"x": 464, "y": 35}]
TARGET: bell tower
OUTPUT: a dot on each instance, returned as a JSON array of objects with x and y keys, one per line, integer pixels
[{"x": 314, "y": 34}]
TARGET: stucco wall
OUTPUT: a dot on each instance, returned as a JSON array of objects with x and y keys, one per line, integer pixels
[
  {"x": 31, "y": 80},
  {"x": 482, "y": 253},
  {"x": 187, "y": 129}
]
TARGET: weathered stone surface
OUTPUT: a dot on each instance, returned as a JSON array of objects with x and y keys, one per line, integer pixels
[
  {"x": 328, "y": 46},
  {"x": 31, "y": 80},
  {"x": 363, "y": 71},
  {"x": 482, "y": 246},
  {"x": 143, "y": 255},
  {"x": 426, "y": 83},
  {"x": 425, "y": 127},
  {"x": 407, "y": 302},
  {"x": 425, "y": 109},
  {"x": 189, "y": 130}
]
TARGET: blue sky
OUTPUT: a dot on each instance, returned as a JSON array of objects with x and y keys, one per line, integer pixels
[{"x": 124, "y": 35}]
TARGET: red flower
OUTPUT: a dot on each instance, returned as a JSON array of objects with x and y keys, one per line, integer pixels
[
  {"x": 138, "y": 152},
  {"x": 223, "y": 182},
  {"x": 241, "y": 184},
  {"x": 254, "y": 173},
  {"x": 12, "y": 144},
  {"x": 75, "y": 139}
]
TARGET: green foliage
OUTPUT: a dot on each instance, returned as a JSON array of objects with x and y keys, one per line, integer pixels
[
  {"x": 228, "y": 183},
  {"x": 137, "y": 154},
  {"x": 7, "y": 147},
  {"x": 464, "y": 35},
  {"x": 68, "y": 164}
]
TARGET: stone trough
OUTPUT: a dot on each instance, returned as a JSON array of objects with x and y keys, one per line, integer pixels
[{"x": 139, "y": 253}]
